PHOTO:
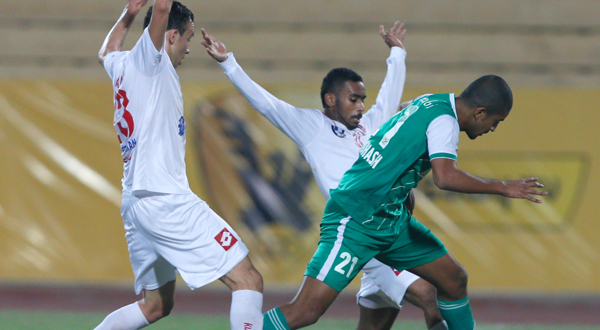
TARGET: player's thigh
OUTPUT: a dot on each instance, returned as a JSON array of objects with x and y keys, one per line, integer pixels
[
  {"x": 150, "y": 269},
  {"x": 342, "y": 251},
  {"x": 192, "y": 238},
  {"x": 414, "y": 246}
]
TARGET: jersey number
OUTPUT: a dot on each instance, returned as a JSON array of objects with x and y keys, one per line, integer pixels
[
  {"x": 347, "y": 257},
  {"x": 405, "y": 114}
]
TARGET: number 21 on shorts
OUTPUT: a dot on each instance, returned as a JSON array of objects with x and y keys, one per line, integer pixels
[{"x": 347, "y": 258}]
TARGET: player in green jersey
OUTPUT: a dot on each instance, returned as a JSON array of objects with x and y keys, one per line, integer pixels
[{"x": 365, "y": 217}]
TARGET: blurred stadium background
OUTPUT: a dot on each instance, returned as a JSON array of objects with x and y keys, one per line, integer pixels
[{"x": 60, "y": 170}]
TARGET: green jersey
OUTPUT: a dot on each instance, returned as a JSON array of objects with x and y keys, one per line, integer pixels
[{"x": 396, "y": 158}]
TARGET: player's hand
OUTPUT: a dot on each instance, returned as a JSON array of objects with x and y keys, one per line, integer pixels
[
  {"x": 394, "y": 36},
  {"x": 523, "y": 188},
  {"x": 214, "y": 47},
  {"x": 134, "y": 6}
]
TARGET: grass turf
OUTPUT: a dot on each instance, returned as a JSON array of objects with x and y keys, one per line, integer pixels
[{"x": 24, "y": 320}]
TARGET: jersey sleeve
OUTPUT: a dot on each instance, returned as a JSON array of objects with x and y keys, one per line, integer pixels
[
  {"x": 301, "y": 125},
  {"x": 111, "y": 63},
  {"x": 442, "y": 137},
  {"x": 390, "y": 93},
  {"x": 145, "y": 57}
]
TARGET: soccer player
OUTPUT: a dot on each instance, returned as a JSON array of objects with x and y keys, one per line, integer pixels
[
  {"x": 169, "y": 230},
  {"x": 366, "y": 218},
  {"x": 330, "y": 142}
]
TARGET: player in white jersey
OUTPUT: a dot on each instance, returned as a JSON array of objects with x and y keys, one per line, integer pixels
[
  {"x": 330, "y": 141},
  {"x": 169, "y": 230}
]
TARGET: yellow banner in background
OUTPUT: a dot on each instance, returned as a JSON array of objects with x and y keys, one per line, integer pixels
[{"x": 60, "y": 187}]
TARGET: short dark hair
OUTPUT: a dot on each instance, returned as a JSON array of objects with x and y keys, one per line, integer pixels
[
  {"x": 178, "y": 17},
  {"x": 490, "y": 92},
  {"x": 335, "y": 80}
]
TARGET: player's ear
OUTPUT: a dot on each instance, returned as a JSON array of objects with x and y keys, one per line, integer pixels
[
  {"x": 172, "y": 36},
  {"x": 480, "y": 113},
  {"x": 330, "y": 99}
]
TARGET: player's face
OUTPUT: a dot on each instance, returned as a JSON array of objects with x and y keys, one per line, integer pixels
[
  {"x": 486, "y": 124},
  {"x": 181, "y": 46},
  {"x": 349, "y": 104}
]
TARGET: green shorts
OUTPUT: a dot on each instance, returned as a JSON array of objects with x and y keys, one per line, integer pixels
[{"x": 346, "y": 246}]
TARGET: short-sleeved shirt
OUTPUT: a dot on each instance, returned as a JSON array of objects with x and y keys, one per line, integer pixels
[
  {"x": 149, "y": 118},
  {"x": 395, "y": 159}
]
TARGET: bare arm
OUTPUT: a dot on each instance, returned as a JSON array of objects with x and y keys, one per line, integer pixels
[
  {"x": 448, "y": 177},
  {"x": 116, "y": 37},
  {"x": 159, "y": 22}
]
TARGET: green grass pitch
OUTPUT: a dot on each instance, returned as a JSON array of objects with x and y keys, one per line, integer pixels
[{"x": 24, "y": 320}]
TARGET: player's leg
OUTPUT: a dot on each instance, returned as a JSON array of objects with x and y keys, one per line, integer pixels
[
  {"x": 206, "y": 249},
  {"x": 450, "y": 279},
  {"x": 383, "y": 287},
  {"x": 154, "y": 276},
  {"x": 424, "y": 295},
  {"x": 246, "y": 285},
  {"x": 312, "y": 300},
  {"x": 376, "y": 319},
  {"x": 343, "y": 250}
]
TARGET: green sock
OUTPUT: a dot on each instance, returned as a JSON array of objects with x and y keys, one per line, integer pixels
[
  {"x": 457, "y": 314},
  {"x": 275, "y": 320}
]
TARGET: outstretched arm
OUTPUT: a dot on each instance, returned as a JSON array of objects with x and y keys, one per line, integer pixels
[
  {"x": 390, "y": 93},
  {"x": 116, "y": 37},
  {"x": 448, "y": 177},
  {"x": 301, "y": 125}
]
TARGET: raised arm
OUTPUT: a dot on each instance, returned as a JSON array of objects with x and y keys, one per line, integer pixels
[
  {"x": 158, "y": 23},
  {"x": 301, "y": 125},
  {"x": 448, "y": 177},
  {"x": 116, "y": 37},
  {"x": 390, "y": 93}
]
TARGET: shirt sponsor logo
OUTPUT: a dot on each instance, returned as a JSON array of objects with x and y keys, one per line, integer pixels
[
  {"x": 370, "y": 155},
  {"x": 226, "y": 239}
]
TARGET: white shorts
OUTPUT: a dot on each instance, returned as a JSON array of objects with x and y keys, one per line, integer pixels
[
  {"x": 170, "y": 233},
  {"x": 382, "y": 286}
]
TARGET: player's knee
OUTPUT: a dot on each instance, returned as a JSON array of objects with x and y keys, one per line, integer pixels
[
  {"x": 244, "y": 277},
  {"x": 460, "y": 279}
]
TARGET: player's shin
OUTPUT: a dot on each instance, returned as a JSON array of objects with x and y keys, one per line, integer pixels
[
  {"x": 457, "y": 314},
  {"x": 129, "y": 317},
  {"x": 246, "y": 310},
  {"x": 275, "y": 320}
]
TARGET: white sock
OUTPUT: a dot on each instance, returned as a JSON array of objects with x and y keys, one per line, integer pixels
[
  {"x": 440, "y": 326},
  {"x": 246, "y": 310},
  {"x": 129, "y": 317}
]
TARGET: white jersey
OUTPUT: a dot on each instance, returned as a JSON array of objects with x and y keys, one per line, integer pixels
[
  {"x": 149, "y": 119},
  {"x": 329, "y": 147}
]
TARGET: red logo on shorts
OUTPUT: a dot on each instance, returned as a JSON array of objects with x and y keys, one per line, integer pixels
[
  {"x": 226, "y": 239},
  {"x": 247, "y": 326},
  {"x": 397, "y": 272}
]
